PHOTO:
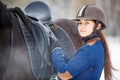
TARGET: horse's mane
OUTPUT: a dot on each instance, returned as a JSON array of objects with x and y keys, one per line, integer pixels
[{"x": 5, "y": 19}]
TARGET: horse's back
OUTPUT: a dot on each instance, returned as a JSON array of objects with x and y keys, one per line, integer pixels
[{"x": 71, "y": 28}]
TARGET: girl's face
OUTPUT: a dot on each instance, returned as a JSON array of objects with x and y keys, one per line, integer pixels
[{"x": 85, "y": 27}]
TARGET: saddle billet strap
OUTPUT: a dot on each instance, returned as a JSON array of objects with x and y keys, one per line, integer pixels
[{"x": 34, "y": 60}]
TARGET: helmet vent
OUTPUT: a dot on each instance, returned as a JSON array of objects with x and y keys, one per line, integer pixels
[{"x": 82, "y": 11}]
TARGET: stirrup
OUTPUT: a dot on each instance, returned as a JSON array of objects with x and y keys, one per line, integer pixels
[{"x": 54, "y": 77}]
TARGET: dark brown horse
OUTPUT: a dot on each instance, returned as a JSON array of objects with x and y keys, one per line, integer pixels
[{"x": 15, "y": 62}]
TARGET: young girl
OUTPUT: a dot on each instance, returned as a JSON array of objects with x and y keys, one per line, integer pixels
[{"x": 90, "y": 59}]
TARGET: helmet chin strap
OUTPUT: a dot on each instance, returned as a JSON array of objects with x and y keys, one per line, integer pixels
[{"x": 93, "y": 33}]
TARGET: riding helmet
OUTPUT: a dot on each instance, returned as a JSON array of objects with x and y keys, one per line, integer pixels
[{"x": 92, "y": 12}]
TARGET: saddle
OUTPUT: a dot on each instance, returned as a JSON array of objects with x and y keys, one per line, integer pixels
[{"x": 37, "y": 38}]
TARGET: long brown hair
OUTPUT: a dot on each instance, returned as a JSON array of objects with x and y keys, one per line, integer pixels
[{"x": 107, "y": 65}]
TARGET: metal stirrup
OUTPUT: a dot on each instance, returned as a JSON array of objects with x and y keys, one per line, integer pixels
[{"x": 54, "y": 77}]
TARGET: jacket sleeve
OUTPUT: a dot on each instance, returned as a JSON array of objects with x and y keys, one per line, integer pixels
[{"x": 81, "y": 61}]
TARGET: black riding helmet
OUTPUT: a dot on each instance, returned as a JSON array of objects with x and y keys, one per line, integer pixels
[{"x": 38, "y": 10}]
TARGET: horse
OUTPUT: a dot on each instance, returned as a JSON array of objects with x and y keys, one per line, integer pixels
[{"x": 16, "y": 62}]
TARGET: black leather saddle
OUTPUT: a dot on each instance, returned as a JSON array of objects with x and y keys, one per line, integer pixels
[{"x": 37, "y": 40}]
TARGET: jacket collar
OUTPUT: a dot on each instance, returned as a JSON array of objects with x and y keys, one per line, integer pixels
[{"x": 91, "y": 38}]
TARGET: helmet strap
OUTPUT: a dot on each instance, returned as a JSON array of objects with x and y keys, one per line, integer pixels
[{"x": 95, "y": 30}]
